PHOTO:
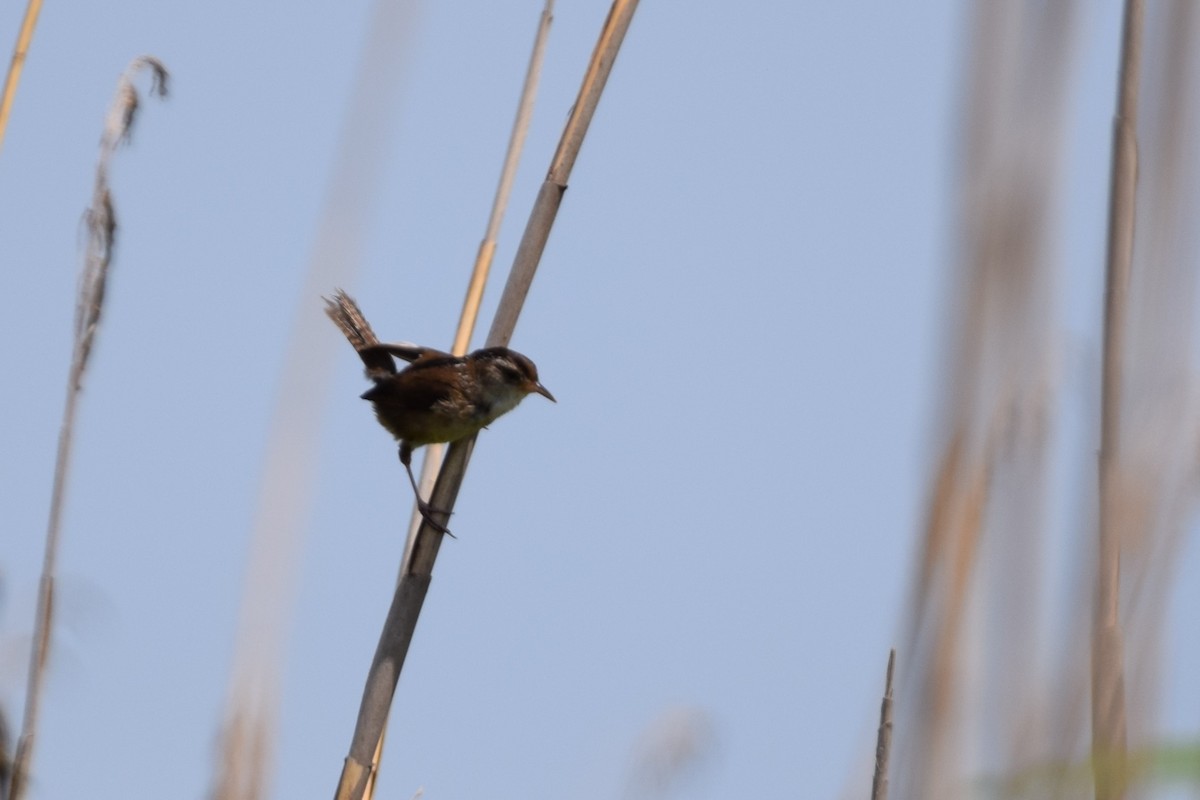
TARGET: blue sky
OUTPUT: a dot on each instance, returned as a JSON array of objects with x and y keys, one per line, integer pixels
[{"x": 738, "y": 311}]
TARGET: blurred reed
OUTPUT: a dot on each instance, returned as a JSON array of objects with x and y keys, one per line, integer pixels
[
  {"x": 669, "y": 752},
  {"x": 984, "y": 516},
  {"x": 996, "y": 669},
  {"x": 246, "y": 746}
]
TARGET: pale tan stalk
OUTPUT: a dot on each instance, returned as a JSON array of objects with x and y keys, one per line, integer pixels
[
  {"x": 102, "y": 226},
  {"x": 487, "y": 247},
  {"x": 17, "y": 65},
  {"x": 417, "y": 571},
  {"x": 434, "y": 453},
  {"x": 512, "y": 159}
]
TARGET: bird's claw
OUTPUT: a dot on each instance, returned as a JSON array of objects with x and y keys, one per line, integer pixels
[{"x": 427, "y": 511}]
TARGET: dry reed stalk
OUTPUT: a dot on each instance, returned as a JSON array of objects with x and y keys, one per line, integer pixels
[
  {"x": 346, "y": 314},
  {"x": 5, "y": 762},
  {"x": 1158, "y": 425},
  {"x": 980, "y": 542},
  {"x": 417, "y": 571},
  {"x": 883, "y": 742},
  {"x": 512, "y": 159},
  {"x": 17, "y": 65},
  {"x": 432, "y": 462},
  {"x": 1108, "y": 678},
  {"x": 1152, "y": 488},
  {"x": 93, "y": 281},
  {"x": 434, "y": 453}
]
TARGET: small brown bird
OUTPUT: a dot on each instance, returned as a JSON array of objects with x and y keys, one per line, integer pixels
[{"x": 443, "y": 398}]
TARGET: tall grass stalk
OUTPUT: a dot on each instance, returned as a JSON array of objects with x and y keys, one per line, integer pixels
[
  {"x": 1108, "y": 673},
  {"x": 487, "y": 247},
  {"x": 17, "y": 65},
  {"x": 432, "y": 462},
  {"x": 883, "y": 740},
  {"x": 417, "y": 571},
  {"x": 1159, "y": 425},
  {"x": 101, "y": 228}
]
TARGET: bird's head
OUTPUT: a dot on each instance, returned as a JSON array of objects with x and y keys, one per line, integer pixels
[{"x": 508, "y": 375}]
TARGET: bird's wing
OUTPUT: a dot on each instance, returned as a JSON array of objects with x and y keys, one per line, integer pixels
[
  {"x": 416, "y": 389},
  {"x": 412, "y": 353},
  {"x": 379, "y": 362}
]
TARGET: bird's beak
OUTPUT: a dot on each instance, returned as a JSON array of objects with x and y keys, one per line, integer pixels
[{"x": 543, "y": 391}]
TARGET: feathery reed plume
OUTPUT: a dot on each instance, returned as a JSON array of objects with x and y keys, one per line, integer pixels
[
  {"x": 17, "y": 66},
  {"x": 102, "y": 226},
  {"x": 883, "y": 742},
  {"x": 417, "y": 570}
]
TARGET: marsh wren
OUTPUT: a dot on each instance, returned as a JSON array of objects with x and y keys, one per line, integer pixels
[{"x": 443, "y": 398}]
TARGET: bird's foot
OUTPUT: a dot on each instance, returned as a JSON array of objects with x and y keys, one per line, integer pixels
[{"x": 427, "y": 511}]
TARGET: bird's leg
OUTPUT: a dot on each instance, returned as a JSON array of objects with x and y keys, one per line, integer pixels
[{"x": 424, "y": 508}]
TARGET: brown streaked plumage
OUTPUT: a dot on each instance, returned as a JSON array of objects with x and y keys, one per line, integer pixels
[
  {"x": 444, "y": 398},
  {"x": 438, "y": 397}
]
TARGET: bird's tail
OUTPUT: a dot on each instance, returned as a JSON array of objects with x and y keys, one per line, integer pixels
[{"x": 346, "y": 314}]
